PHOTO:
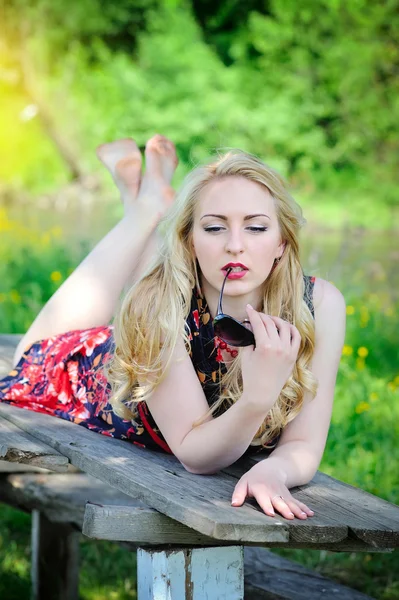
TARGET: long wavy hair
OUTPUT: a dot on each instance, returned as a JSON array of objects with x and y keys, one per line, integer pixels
[{"x": 153, "y": 312}]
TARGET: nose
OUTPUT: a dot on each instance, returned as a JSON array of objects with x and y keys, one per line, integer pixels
[{"x": 235, "y": 242}]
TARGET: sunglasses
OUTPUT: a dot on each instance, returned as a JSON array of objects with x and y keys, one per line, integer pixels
[{"x": 230, "y": 330}]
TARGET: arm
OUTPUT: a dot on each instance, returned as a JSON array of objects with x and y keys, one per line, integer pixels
[
  {"x": 301, "y": 446},
  {"x": 296, "y": 459},
  {"x": 216, "y": 443}
]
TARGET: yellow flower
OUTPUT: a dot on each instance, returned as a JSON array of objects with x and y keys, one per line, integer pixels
[
  {"x": 373, "y": 397},
  {"x": 396, "y": 380},
  {"x": 15, "y": 297},
  {"x": 360, "y": 363},
  {"x": 347, "y": 350},
  {"x": 362, "y": 352},
  {"x": 362, "y": 407},
  {"x": 391, "y": 386},
  {"x": 56, "y": 232},
  {"x": 55, "y": 276},
  {"x": 350, "y": 310}
]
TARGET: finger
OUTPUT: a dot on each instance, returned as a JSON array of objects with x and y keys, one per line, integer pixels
[
  {"x": 263, "y": 499},
  {"x": 305, "y": 508},
  {"x": 296, "y": 510},
  {"x": 284, "y": 331},
  {"x": 270, "y": 328},
  {"x": 240, "y": 493},
  {"x": 281, "y": 505},
  {"x": 258, "y": 328}
]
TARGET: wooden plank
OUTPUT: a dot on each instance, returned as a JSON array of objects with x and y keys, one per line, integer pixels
[
  {"x": 191, "y": 574},
  {"x": 18, "y": 446},
  {"x": 268, "y": 576},
  {"x": 55, "y": 560},
  {"x": 148, "y": 526},
  {"x": 201, "y": 502},
  {"x": 61, "y": 498}
]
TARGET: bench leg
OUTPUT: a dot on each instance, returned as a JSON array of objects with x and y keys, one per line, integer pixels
[
  {"x": 191, "y": 573},
  {"x": 55, "y": 560}
]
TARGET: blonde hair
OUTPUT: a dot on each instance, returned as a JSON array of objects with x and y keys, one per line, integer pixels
[{"x": 153, "y": 313}]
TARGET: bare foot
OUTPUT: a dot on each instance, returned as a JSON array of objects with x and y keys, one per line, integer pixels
[
  {"x": 161, "y": 162},
  {"x": 123, "y": 160}
]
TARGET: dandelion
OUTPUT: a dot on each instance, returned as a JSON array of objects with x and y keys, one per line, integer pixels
[
  {"x": 362, "y": 407},
  {"x": 347, "y": 350},
  {"x": 360, "y": 364},
  {"x": 362, "y": 352},
  {"x": 15, "y": 297},
  {"x": 55, "y": 276},
  {"x": 350, "y": 310}
]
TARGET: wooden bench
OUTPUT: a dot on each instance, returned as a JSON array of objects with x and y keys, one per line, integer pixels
[{"x": 189, "y": 539}]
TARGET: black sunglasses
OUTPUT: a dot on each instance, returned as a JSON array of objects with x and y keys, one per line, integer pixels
[{"x": 230, "y": 330}]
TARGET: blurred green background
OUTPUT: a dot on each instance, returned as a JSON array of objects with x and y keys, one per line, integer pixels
[{"x": 312, "y": 88}]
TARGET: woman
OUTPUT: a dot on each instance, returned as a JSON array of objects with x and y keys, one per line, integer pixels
[{"x": 269, "y": 373}]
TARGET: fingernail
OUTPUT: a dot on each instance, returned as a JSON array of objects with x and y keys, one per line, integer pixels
[
  {"x": 303, "y": 513},
  {"x": 311, "y": 512},
  {"x": 235, "y": 501},
  {"x": 291, "y": 514},
  {"x": 272, "y": 513},
  {"x": 249, "y": 306}
]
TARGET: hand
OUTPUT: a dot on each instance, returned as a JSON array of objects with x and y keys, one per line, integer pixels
[
  {"x": 267, "y": 366},
  {"x": 265, "y": 483}
]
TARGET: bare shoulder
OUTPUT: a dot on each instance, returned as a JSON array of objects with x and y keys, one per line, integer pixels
[{"x": 329, "y": 305}]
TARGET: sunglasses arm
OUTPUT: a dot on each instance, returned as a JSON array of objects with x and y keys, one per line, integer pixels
[{"x": 220, "y": 309}]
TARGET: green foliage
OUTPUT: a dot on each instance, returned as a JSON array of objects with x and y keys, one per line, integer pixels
[{"x": 310, "y": 88}]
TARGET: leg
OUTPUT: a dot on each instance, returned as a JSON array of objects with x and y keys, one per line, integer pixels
[{"x": 89, "y": 296}]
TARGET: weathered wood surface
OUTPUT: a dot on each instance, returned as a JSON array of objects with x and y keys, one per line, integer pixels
[
  {"x": 268, "y": 576},
  {"x": 18, "y": 446},
  {"x": 203, "y": 502},
  {"x": 61, "y": 498},
  {"x": 111, "y": 515},
  {"x": 8, "y": 344}
]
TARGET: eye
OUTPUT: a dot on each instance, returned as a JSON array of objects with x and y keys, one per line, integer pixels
[
  {"x": 257, "y": 229},
  {"x": 213, "y": 229}
]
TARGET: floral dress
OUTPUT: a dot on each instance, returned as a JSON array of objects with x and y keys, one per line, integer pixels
[{"x": 63, "y": 376}]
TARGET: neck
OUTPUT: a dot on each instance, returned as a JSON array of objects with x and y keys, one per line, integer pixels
[{"x": 232, "y": 305}]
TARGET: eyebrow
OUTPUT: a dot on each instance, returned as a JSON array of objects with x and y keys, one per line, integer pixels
[{"x": 247, "y": 218}]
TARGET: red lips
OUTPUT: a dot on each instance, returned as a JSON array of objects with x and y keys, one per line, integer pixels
[{"x": 234, "y": 265}]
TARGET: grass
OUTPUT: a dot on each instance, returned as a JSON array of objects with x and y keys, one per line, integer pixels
[{"x": 361, "y": 448}]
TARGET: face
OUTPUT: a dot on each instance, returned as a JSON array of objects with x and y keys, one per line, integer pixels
[{"x": 235, "y": 222}]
